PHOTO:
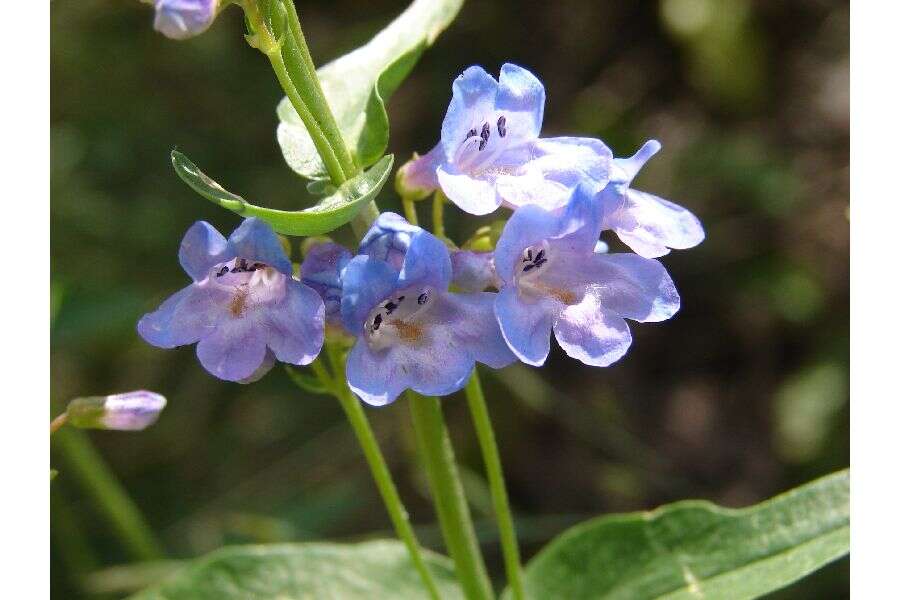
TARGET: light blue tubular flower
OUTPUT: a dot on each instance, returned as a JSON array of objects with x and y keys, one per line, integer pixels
[
  {"x": 321, "y": 270},
  {"x": 243, "y": 308},
  {"x": 490, "y": 153},
  {"x": 648, "y": 224},
  {"x": 412, "y": 332},
  {"x": 555, "y": 280},
  {"x": 182, "y": 19}
]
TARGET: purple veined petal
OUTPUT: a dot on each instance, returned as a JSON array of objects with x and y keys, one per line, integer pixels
[
  {"x": 521, "y": 92},
  {"x": 255, "y": 240},
  {"x": 295, "y": 325},
  {"x": 182, "y": 19},
  {"x": 468, "y": 322},
  {"x": 477, "y": 196},
  {"x": 634, "y": 287},
  {"x": 595, "y": 335},
  {"x": 427, "y": 262},
  {"x": 367, "y": 281},
  {"x": 526, "y": 326},
  {"x": 184, "y": 317},
  {"x": 473, "y": 271},
  {"x": 418, "y": 177},
  {"x": 234, "y": 350},
  {"x": 474, "y": 95},
  {"x": 202, "y": 248},
  {"x": 650, "y": 225}
]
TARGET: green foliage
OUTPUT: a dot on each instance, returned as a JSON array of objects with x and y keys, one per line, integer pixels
[
  {"x": 306, "y": 381},
  {"x": 328, "y": 214},
  {"x": 377, "y": 569},
  {"x": 358, "y": 84},
  {"x": 696, "y": 549}
]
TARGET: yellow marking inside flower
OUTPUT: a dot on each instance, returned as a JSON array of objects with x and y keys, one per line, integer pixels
[
  {"x": 567, "y": 297},
  {"x": 408, "y": 332},
  {"x": 239, "y": 302}
]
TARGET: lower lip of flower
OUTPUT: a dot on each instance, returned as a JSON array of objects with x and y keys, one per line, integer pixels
[
  {"x": 399, "y": 318},
  {"x": 250, "y": 284}
]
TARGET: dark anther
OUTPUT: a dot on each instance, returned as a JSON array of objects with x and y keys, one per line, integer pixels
[
  {"x": 258, "y": 266},
  {"x": 485, "y": 134},
  {"x": 528, "y": 268},
  {"x": 471, "y": 133},
  {"x": 390, "y": 307},
  {"x": 501, "y": 126},
  {"x": 377, "y": 322},
  {"x": 423, "y": 298},
  {"x": 401, "y": 298},
  {"x": 222, "y": 271},
  {"x": 539, "y": 262},
  {"x": 540, "y": 255}
]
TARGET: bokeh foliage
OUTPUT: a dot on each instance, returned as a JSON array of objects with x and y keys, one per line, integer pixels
[{"x": 742, "y": 395}]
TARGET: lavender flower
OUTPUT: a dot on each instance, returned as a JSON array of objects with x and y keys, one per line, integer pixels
[
  {"x": 412, "y": 332},
  {"x": 131, "y": 411},
  {"x": 648, "y": 224},
  {"x": 321, "y": 270},
  {"x": 244, "y": 309},
  {"x": 490, "y": 153},
  {"x": 182, "y": 19},
  {"x": 473, "y": 271},
  {"x": 554, "y": 280}
]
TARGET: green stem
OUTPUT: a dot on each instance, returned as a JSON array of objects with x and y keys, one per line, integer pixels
[
  {"x": 433, "y": 441},
  {"x": 437, "y": 215},
  {"x": 409, "y": 209},
  {"x": 95, "y": 476},
  {"x": 485, "y": 433},
  {"x": 377, "y": 465},
  {"x": 364, "y": 219}
]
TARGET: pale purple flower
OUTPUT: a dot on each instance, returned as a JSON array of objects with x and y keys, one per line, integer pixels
[
  {"x": 321, "y": 270},
  {"x": 182, "y": 19},
  {"x": 554, "y": 280},
  {"x": 473, "y": 271},
  {"x": 244, "y": 309},
  {"x": 490, "y": 153},
  {"x": 648, "y": 224},
  {"x": 412, "y": 332},
  {"x": 131, "y": 411}
]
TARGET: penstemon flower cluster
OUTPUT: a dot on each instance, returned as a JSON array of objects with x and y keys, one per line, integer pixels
[{"x": 424, "y": 313}]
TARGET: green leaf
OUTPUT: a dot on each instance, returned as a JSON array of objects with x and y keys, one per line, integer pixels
[
  {"x": 305, "y": 381},
  {"x": 378, "y": 569},
  {"x": 328, "y": 214},
  {"x": 358, "y": 84},
  {"x": 696, "y": 549}
]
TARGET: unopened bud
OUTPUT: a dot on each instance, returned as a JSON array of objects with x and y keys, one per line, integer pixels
[
  {"x": 182, "y": 19},
  {"x": 131, "y": 411}
]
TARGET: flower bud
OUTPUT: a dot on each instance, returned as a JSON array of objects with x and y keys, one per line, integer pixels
[
  {"x": 131, "y": 411},
  {"x": 416, "y": 179},
  {"x": 182, "y": 19}
]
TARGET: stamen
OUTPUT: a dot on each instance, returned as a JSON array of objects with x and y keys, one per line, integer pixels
[
  {"x": 222, "y": 271},
  {"x": 377, "y": 322},
  {"x": 390, "y": 307},
  {"x": 485, "y": 135},
  {"x": 501, "y": 126},
  {"x": 423, "y": 298},
  {"x": 471, "y": 133}
]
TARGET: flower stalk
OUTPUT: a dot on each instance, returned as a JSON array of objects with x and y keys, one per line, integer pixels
[
  {"x": 502, "y": 512},
  {"x": 433, "y": 441}
]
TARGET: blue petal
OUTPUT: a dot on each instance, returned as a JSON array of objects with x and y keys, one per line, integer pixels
[
  {"x": 418, "y": 177},
  {"x": 591, "y": 333},
  {"x": 474, "y": 94},
  {"x": 295, "y": 326},
  {"x": 234, "y": 350},
  {"x": 634, "y": 287},
  {"x": 184, "y": 317},
  {"x": 389, "y": 238},
  {"x": 477, "y": 196},
  {"x": 376, "y": 377},
  {"x": 256, "y": 241},
  {"x": 181, "y": 19},
  {"x": 628, "y": 167},
  {"x": 202, "y": 248},
  {"x": 525, "y": 326},
  {"x": 473, "y": 271},
  {"x": 427, "y": 262},
  {"x": 367, "y": 281},
  {"x": 528, "y": 225},
  {"x": 521, "y": 92},
  {"x": 470, "y": 324},
  {"x": 650, "y": 225}
]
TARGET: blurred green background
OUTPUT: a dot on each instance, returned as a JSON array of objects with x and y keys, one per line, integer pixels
[{"x": 743, "y": 395}]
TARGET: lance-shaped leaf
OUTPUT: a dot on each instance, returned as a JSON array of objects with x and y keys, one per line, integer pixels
[
  {"x": 358, "y": 84},
  {"x": 696, "y": 549},
  {"x": 328, "y": 214},
  {"x": 378, "y": 569}
]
